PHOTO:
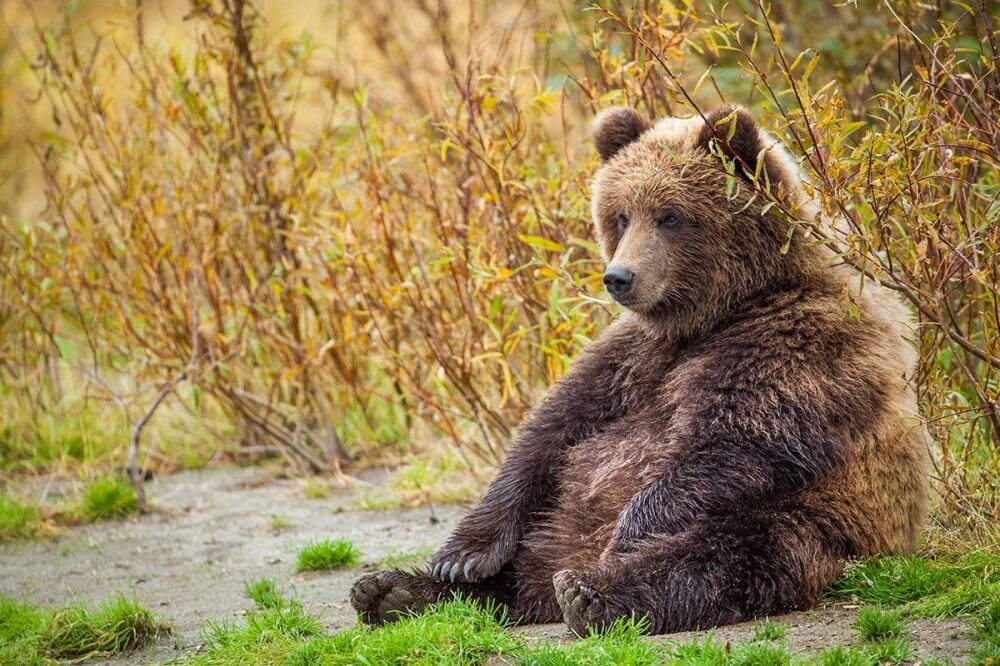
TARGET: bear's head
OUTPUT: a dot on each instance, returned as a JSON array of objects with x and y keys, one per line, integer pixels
[{"x": 682, "y": 213}]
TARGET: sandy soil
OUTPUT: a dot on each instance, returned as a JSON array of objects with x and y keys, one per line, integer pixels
[{"x": 211, "y": 531}]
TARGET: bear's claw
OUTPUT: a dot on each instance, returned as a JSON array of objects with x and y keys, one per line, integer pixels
[
  {"x": 448, "y": 571},
  {"x": 465, "y": 567},
  {"x": 468, "y": 558},
  {"x": 582, "y": 606}
]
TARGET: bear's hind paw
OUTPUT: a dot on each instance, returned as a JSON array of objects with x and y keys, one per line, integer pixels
[{"x": 582, "y": 606}]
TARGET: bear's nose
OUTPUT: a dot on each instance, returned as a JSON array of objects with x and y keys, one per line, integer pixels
[{"x": 618, "y": 280}]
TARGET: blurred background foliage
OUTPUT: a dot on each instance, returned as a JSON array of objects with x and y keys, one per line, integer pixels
[{"x": 339, "y": 232}]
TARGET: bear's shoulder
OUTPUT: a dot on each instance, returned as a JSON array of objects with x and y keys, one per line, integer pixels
[{"x": 795, "y": 335}]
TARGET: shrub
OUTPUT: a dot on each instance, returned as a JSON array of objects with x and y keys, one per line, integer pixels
[{"x": 339, "y": 257}]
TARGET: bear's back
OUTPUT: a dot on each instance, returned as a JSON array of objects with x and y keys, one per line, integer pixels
[{"x": 879, "y": 500}]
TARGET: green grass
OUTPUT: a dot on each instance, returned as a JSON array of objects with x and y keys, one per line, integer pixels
[
  {"x": 623, "y": 643},
  {"x": 69, "y": 433},
  {"x": 900, "y": 588},
  {"x": 78, "y": 435},
  {"x": 316, "y": 489},
  {"x": 767, "y": 630},
  {"x": 842, "y": 656},
  {"x": 451, "y": 634},
  {"x": 264, "y": 593},
  {"x": 279, "y": 523},
  {"x": 17, "y": 520},
  {"x": 271, "y": 632},
  {"x": 889, "y": 651},
  {"x": 32, "y": 635},
  {"x": 328, "y": 554},
  {"x": 948, "y": 586},
  {"x": 987, "y": 628},
  {"x": 893, "y": 650},
  {"x": 278, "y": 630},
  {"x": 106, "y": 498},
  {"x": 876, "y": 623}
]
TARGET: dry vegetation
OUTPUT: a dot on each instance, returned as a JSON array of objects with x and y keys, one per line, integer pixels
[{"x": 372, "y": 236}]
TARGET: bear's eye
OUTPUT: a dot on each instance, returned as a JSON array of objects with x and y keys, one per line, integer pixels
[
  {"x": 622, "y": 222},
  {"x": 669, "y": 219}
]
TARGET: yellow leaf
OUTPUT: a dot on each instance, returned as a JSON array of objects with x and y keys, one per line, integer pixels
[{"x": 543, "y": 243}]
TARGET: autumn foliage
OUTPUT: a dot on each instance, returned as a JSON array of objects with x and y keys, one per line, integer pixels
[{"x": 350, "y": 254}]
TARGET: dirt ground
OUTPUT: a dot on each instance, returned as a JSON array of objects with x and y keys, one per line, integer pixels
[{"x": 211, "y": 531}]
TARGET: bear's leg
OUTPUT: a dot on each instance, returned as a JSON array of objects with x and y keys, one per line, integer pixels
[
  {"x": 384, "y": 596},
  {"x": 720, "y": 571}
]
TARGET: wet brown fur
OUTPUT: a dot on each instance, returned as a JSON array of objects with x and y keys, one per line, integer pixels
[{"x": 729, "y": 441}]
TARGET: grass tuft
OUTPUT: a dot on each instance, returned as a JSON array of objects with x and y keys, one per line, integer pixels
[
  {"x": 316, "y": 489},
  {"x": 758, "y": 653},
  {"x": 622, "y": 643},
  {"x": 455, "y": 633},
  {"x": 33, "y": 634},
  {"x": 988, "y": 625},
  {"x": 269, "y": 634},
  {"x": 710, "y": 652},
  {"x": 768, "y": 630},
  {"x": 843, "y": 656},
  {"x": 17, "y": 520},
  {"x": 328, "y": 554},
  {"x": 875, "y": 624},
  {"x": 704, "y": 652},
  {"x": 279, "y": 523},
  {"x": 108, "y": 497},
  {"x": 893, "y": 650},
  {"x": 264, "y": 593},
  {"x": 117, "y": 626}
]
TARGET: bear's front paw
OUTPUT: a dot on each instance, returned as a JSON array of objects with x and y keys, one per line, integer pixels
[
  {"x": 385, "y": 596},
  {"x": 464, "y": 560}
]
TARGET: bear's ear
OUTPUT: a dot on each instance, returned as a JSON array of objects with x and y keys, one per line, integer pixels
[
  {"x": 615, "y": 128},
  {"x": 734, "y": 131}
]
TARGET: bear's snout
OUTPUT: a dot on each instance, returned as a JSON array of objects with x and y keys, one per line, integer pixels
[{"x": 618, "y": 281}]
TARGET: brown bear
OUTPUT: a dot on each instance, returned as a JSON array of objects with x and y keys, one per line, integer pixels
[{"x": 728, "y": 443}]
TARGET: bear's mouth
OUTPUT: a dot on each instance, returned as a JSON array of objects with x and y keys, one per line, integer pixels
[{"x": 637, "y": 304}]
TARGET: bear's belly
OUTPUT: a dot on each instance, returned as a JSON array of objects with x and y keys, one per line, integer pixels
[
  {"x": 598, "y": 478},
  {"x": 603, "y": 473}
]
